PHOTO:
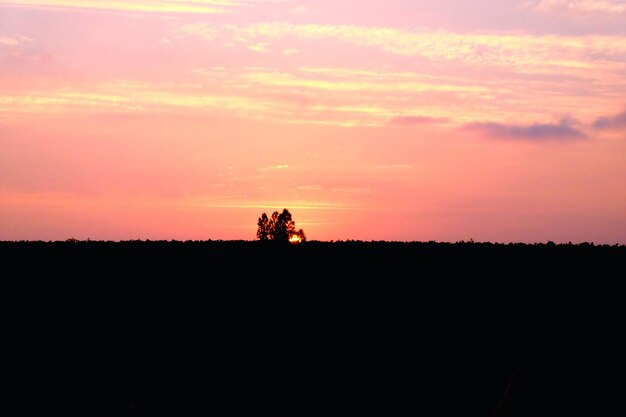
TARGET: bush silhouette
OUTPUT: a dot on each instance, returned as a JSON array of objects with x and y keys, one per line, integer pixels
[{"x": 279, "y": 228}]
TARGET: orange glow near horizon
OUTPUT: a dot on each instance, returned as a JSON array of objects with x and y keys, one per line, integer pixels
[{"x": 173, "y": 119}]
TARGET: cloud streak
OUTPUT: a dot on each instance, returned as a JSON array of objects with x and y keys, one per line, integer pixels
[
  {"x": 537, "y": 131},
  {"x": 154, "y": 6},
  {"x": 586, "y": 6},
  {"x": 518, "y": 50},
  {"x": 305, "y": 95},
  {"x": 288, "y": 80},
  {"x": 14, "y": 40},
  {"x": 280, "y": 167},
  {"x": 125, "y": 97}
]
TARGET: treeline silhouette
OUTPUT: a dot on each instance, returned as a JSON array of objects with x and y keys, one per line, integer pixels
[
  {"x": 198, "y": 327},
  {"x": 346, "y": 259}
]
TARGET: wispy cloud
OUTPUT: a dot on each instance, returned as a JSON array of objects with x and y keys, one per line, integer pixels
[
  {"x": 587, "y": 6},
  {"x": 508, "y": 49},
  {"x": 280, "y": 167},
  {"x": 615, "y": 122},
  {"x": 14, "y": 40},
  {"x": 284, "y": 79},
  {"x": 297, "y": 98},
  {"x": 309, "y": 187},
  {"x": 354, "y": 190},
  {"x": 244, "y": 68},
  {"x": 155, "y": 6},
  {"x": 565, "y": 129},
  {"x": 500, "y": 72},
  {"x": 262, "y": 47},
  {"x": 127, "y": 97}
]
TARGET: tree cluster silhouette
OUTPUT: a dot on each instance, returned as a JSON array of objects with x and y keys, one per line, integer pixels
[{"x": 279, "y": 228}]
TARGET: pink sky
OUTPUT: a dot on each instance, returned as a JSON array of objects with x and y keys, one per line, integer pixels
[{"x": 368, "y": 119}]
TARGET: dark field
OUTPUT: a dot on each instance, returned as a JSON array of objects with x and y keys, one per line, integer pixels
[{"x": 231, "y": 328}]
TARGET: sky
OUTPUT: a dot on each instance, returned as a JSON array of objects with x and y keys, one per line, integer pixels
[{"x": 401, "y": 120}]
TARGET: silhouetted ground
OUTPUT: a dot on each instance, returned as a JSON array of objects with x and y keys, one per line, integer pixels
[{"x": 149, "y": 328}]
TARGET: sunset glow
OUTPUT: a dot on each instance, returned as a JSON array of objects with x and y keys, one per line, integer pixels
[
  {"x": 370, "y": 119},
  {"x": 295, "y": 240}
]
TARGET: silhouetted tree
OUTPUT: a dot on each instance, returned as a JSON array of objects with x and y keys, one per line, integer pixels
[
  {"x": 279, "y": 228},
  {"x": 300, "y": 235},
  {"x": 265, "y": 228}
]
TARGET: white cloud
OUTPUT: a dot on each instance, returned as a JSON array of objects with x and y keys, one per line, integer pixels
[{"x": 14, "y": 40}]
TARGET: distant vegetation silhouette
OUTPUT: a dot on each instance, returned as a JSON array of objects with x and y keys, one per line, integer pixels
[
  {"x": 279, "y": 228},
  {"x": 480, "y": 329}
]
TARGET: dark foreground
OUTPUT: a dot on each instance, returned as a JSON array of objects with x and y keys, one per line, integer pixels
[{"x": 231, "y": 328}]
